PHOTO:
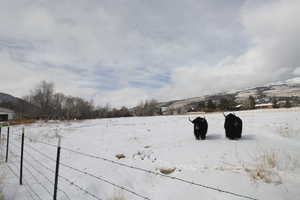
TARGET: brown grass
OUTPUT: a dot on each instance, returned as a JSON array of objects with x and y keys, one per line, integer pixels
[
  {"x": 118, "y": 195},
  {"x": 19, "y": 122},
  {"x": 120, "y": 156},
  {"x": 287, "y": 130},
  {"x": 264, "y": 168},
  {"x": 167, "y": 170}
]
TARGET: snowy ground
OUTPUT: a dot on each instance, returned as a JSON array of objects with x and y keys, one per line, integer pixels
[{"x": 264, "y": 164}]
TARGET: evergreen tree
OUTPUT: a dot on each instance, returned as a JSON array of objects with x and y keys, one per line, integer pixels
[
  {"x": 287, "y": 104},
  {"x": 251, "y": 102},
  {"x": 275, "y": 104},
  {"x": 201, "y": 106},
  {"x": 224, "y": 104},
  {"x": 211, "y": 106}
]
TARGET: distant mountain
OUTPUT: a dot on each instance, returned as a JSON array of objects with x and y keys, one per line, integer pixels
[
  {"x": 8, "y": 98},
  {"x": 18, "y": 105},
  {"x": 281, "y": 91}
]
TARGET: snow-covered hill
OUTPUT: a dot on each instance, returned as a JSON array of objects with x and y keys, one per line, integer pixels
[
  {"x": 7, "y": 98},
  {"x": 289, "y": 88},
  {"x": 264, "y": 164}
]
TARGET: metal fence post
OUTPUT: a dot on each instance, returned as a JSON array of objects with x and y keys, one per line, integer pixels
[
  {"x": 21, "y": 164},
  {"x": 57, "y": 168},
  {"x": 7, "y": 144},
  {"x": 0, "y": 133}
]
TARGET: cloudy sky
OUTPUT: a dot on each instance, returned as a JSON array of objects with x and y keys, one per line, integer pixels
[{"x": 123, "y": 51}]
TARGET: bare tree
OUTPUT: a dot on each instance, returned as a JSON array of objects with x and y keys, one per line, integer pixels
[
  {"x": 58, "y": 105},
  {"x": 42, "y": 97},
  {"x": 251, "y": 100},
  {"x": 147, "y": 108},
  {"x": 53, "y": 105}
]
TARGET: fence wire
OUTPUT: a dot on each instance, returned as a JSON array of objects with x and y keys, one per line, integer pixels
[
  {"x": 45, "y": 177},
  {"x": 26, "y": 184},
  {"x": 31, "y": 174},
  {"x": 97, "y": 157},
  {"x": 60, "y": 176},
  {"x": 91, "y": 175},
  {"x": 105, "y": 180},
  {"x": 39, "y": 172},
  {"x": 27, "y": 187},
  {"x": 28, "y": 191},
  {"x": 158, "y": 174}
]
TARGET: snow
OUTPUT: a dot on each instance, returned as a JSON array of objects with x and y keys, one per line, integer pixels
[
  {"x": 246, "y": 94},
  {"x": 263, "y": 104},
  {"x": 295, "y": 80},
  {"x": 291, "y": 81},
  {"x": 264, "y": 164}
]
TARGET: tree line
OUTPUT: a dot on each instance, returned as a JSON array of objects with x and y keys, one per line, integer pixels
[
  {"x": 54, "y": 105},
  {"x": 51, "y": 105},
  {"x": 223, "y": 104},
  {"x": 43, "y": 102},
  {"x": 230, "y": 104}
]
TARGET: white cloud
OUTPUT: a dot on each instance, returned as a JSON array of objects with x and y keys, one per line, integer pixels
[
  {"x": 273, "y": 55},
  {"x": 122, "y": 52},
  {"x": 124, "y": 96},
  {"x": 296, "y": 72}
]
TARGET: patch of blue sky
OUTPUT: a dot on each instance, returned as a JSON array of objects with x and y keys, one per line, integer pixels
[
  {"x": 153, "y": 82},
  {"x": 14, "y": 44},
  {"x": 106, "y": 79}
]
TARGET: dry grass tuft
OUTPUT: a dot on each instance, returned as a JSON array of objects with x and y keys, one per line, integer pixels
[
  {"x": 288, "y": 130},
  {"x": 120, "y": 156},
  {"x": 265, "y": 175},
  {"x": 167, "y": 170},
  {"x": 19, "y": 122},
  {"x": 264, "y": 168},
  {"x": 118, "y": 195}
]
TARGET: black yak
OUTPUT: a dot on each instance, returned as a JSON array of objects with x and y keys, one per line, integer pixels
[
  {"x": 200, "y": 127},
  {"x": 233, "y": 126}
]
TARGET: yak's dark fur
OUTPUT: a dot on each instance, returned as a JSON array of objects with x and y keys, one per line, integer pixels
[
  {"x": 200, "y": 128},
  {"x": 233, "y": 126}
]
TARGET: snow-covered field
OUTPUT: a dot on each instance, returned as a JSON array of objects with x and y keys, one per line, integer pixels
[{"x": 264, "y": 164}]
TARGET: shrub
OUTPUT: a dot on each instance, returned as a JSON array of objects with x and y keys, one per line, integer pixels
[
  {"x": 167, "y": 170},
  {"x": 287, "y": 130},
  {"x": 264, "y": 168},
  {"x": 118, "y": 195}
]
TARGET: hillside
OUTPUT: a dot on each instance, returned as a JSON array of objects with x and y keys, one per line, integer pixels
[
  {"x": 4, "y": 98},
  {"x": 18, "y": 105},
  {"x": 281, "y": 91}
]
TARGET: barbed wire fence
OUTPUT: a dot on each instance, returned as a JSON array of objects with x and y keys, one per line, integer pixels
[{"x": 35, "y": 170}]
